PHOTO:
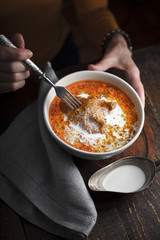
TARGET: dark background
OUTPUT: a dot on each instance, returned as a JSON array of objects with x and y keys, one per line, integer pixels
[{"x": 140, "y": 19}]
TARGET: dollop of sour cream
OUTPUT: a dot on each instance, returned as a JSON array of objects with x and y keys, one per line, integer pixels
[{"x": 114, "y": 118}]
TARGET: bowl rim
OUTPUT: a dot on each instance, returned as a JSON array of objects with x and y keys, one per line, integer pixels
[{"x": 112, "y": 152}]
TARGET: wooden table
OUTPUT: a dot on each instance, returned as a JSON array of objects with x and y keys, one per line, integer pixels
[{"x": 120, "y": 217}]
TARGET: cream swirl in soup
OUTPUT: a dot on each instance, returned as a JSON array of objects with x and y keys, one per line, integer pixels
[{"x": 106, "y": 120}]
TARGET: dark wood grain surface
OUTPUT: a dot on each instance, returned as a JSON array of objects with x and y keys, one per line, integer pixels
[{"x": 120, "y": 217}]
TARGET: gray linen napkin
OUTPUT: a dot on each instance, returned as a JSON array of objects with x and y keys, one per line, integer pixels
[{"x": 39, "y": 180}]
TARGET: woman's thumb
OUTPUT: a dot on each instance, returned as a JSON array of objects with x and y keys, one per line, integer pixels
[{"x": 103, "y": 65}]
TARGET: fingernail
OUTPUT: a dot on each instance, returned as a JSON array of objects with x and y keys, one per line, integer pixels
[{"x": 29, "y": 53}]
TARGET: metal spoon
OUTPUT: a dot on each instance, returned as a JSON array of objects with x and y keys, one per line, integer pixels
[{"x": 112, "y": 179}]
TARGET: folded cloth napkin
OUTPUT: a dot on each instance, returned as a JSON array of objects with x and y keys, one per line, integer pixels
[{"x": 39, "y": 180}]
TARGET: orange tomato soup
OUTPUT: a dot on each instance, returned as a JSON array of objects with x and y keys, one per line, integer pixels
[{"x": 106, "y": 120}]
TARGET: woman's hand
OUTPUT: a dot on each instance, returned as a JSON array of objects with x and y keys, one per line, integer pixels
[
  {"x": 12, "y": 72},
  {"x": 117, "y": 55}
]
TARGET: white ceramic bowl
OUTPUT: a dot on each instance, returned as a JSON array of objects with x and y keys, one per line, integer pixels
[{"x": 95, "y": 75}]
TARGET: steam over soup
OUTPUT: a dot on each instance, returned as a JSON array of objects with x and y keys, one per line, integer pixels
[{"x": 106, "y": 120}]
